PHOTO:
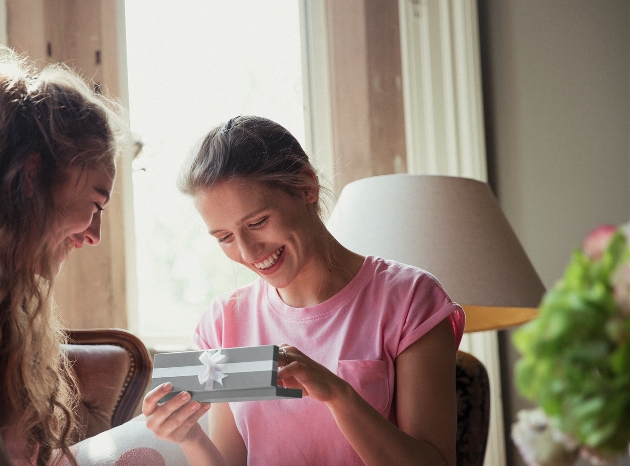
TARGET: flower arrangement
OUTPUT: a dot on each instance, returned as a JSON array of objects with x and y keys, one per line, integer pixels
[{"x": 576, "y": 359}]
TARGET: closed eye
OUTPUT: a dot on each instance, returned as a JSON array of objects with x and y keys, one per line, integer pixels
[
  {"x": 260, "y": 223},
  {"x": 224, "y": 238},
  {"x": 99, "y": 207}
]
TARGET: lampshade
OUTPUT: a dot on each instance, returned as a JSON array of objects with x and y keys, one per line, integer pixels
[{"x": 451, "y": 227}]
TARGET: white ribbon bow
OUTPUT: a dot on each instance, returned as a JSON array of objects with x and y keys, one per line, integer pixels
[{"x": 211, "y": 373}]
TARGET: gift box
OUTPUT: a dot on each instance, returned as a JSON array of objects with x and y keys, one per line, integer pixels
[{"x": 228, "y": 374}]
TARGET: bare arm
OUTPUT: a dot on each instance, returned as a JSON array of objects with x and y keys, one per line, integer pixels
[
  {"x": 224, "y": 434},
  {"x": 176, "y": 421},
  {"x": 424, "y": 397}
]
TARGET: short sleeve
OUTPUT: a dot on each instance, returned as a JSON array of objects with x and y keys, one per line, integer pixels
[
  {"x": 428, "y": 305},
  {"x": 458, "y": 321}
]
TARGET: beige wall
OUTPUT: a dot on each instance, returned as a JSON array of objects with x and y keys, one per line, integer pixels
[
  {"x": 368, "y": 122},
  {"x": 556, "y": 90},
  {"x": 91, "y": 290}
]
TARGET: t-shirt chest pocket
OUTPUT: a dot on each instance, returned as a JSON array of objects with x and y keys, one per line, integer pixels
[{"x": 368, "y": 378}]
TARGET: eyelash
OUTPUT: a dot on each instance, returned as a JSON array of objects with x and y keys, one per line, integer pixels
[
  {"x": 98, "y": 207},
  {"x": 259, "y": 223},
  {"x": 252, "y": 225},
  {"x": 224, "y": 238}
]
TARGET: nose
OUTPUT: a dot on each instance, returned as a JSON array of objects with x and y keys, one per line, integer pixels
[
  {"x": 92, "y": 235},
  {"x": 250, "y": 249}
]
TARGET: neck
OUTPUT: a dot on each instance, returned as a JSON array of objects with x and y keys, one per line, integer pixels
[{"x": 330, "y": 269}]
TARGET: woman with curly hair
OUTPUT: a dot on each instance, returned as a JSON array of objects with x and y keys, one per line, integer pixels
[{"x": 58, "y": 145}]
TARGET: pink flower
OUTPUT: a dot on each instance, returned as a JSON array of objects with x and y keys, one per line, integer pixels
[{"x": 596, "y": 241}]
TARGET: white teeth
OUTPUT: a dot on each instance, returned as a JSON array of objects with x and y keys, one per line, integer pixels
[{"x": 269, "y": 261}]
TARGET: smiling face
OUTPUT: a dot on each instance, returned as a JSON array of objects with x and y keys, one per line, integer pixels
[
  {"x": 265, "y": 229},
  {"x": 79, "y": 201}
]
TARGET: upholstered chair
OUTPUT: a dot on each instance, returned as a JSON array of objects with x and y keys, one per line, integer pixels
[
  {"x": 112, "y": 368},
  {"x": 473, "y": 410}
]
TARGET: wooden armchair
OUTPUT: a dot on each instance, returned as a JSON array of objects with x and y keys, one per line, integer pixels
[
  {"x": 473, "y": 410},
  {"x": 112, "y": 368}
]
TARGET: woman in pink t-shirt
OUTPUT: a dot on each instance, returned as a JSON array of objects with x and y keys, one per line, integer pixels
[{"x": 370, "y": 342}]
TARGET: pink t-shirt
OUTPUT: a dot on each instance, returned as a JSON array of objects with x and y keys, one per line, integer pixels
[{"x": 357, "y": 334}]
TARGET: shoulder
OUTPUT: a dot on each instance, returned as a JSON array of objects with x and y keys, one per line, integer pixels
[
  {"x": 417, "y": 298},
  {"x": 224, "y": 310},
  {"x": 397, "y": 274},
  {"x": 244, "y": 299},
  {"x": 418, "y": 294},
  {"x": 243, "y": 294}
]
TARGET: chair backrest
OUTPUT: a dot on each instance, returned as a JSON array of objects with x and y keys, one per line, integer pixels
[
  {"x": 473, "y": 410},
  {"x": 112, "y": 368}
]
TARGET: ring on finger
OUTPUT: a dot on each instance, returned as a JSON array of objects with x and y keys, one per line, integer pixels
[{"x": 286, "y": 356}]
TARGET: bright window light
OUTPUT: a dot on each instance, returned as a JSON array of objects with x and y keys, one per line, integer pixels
[{"x": 193, "y": 64}]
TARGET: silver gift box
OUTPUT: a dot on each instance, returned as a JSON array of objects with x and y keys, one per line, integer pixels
[{"x": 248, "y": 373}]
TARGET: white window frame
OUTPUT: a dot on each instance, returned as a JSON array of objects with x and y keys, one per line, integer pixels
[{"x": 445, "y": 133}]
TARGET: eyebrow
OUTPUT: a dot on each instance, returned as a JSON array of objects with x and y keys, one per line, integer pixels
[
  {"x": 244, "y": 219},
  {"x": 103, "y": 192}
]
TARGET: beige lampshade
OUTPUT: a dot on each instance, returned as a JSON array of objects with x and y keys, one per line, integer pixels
[{"x": 452, "y": 227}]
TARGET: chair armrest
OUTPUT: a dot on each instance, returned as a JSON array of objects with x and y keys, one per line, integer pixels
[{"x": 112, "y": 368}]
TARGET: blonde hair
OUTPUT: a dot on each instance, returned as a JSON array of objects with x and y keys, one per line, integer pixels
[{"x": 54, "y": 116}]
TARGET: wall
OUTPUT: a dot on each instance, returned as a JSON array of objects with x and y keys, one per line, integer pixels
[
  {"x": 556, "y": 101},
  {"x": 367, "y": 112},
  {"x": 86, "y": 35}
]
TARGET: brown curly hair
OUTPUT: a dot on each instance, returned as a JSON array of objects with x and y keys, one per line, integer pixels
[{"x": 55, "y": 115}]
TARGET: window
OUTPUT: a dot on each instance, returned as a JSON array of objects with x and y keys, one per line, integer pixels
[{"x": 192, "y": 65}]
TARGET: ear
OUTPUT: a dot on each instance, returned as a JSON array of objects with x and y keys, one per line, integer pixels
[
  {"x": 32, "y": 169},
  {"x": 311, "y": 193}
]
